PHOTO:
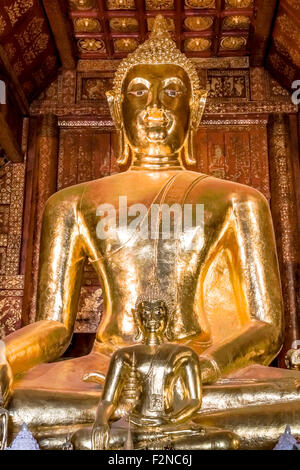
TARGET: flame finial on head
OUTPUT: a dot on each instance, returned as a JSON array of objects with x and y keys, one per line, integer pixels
[{"x": 160, "y": 29}]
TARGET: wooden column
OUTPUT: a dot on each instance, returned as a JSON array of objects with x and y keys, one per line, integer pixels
[
  {"x": 282, "y": 160},
  {"x": 44, "y": 176}
]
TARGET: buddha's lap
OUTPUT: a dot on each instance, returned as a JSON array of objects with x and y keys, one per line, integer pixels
[{"x": 55, "y": 394}]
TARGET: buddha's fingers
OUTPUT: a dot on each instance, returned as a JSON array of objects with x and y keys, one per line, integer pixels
[{"x": 96, "y": 377}]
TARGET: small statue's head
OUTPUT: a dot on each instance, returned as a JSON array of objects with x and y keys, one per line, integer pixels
[
  {"x": 153, "y": 310},
  {"x": 156, "y": 101},
  {"x": 152, "y": 317}
]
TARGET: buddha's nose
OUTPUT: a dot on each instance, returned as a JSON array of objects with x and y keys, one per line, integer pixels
[{"x": 155, "y": 113}]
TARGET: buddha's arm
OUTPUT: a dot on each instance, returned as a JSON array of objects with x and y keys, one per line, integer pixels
[
  {"x": 189, "y": 370},
  {"x": 61, "y": 263},
  {"x": 251, "y": 249},
  {"x": 114, "y": 382}
]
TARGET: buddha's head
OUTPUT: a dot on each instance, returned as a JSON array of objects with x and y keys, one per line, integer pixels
[
  {"x": 156, "y": 101},
  {"x": 152, "y": 312},
  {"x": 152, "y": 317}
]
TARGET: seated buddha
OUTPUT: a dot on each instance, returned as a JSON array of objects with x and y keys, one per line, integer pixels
[
  {"x": 157, "y": 385},
  {"x": 221, "y": 269}
]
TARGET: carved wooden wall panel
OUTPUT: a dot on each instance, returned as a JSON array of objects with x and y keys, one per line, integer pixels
[{"x": 11, "y": 216}]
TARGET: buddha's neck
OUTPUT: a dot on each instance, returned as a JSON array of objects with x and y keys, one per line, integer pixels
[
  {"x": 156, "y": 162},
  {"x": 153, "y": 339}
]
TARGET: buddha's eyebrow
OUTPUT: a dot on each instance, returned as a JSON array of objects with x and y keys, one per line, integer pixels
[
  {"x": 138, "y": 81},
  {"x": 176, "y": 80}
]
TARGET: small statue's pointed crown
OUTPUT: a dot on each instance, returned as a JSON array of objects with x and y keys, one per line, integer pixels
[{"x": 159, "y": 49}]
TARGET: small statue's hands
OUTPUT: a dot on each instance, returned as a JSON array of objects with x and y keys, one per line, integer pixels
[
  {"x": 100, "y": 436},
  {"x": 292, "y": 359}
]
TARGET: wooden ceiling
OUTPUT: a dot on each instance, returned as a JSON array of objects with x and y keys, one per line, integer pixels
[
  {"x": 201, "y": 28},
  {"x": 28, "y": 53}
]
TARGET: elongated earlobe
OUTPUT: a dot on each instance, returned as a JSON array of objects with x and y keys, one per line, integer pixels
[
  {"x": 124, "y": 152},
  {"x": 188, "y": 149}
]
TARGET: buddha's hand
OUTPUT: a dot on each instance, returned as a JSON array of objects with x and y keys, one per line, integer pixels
[
  {"x": 292, "y": 359},
  {"x": 100, "y": 436}
]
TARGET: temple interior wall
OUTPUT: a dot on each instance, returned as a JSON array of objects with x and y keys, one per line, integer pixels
[{"x": 69, "y": 138}]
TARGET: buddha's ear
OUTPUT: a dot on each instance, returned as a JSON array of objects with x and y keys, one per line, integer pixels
[
  {"x": 114, "y": 104},
  {"x": 197, "y": 108},
  {"x": 139, "y": 333}
]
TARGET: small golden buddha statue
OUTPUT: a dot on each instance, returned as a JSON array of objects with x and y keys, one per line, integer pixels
[
  {"x": 159, "y": 385},
  {"x": 222, "y": 273}
]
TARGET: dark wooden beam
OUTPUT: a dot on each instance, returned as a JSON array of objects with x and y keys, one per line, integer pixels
[
  {"x": 56, "y": 11},
  {"x": 13, "y": 82},
  {"x": 8, "y": 141},
  {"x": 262, "y": 27}
]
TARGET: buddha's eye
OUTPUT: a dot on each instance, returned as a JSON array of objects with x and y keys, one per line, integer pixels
[
  {"x": 172, "y": 93},
  {"x": 138, "y": 92}
]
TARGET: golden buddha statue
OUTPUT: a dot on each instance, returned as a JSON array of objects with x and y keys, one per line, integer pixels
[
  {"x": 222, "y": 273},
  {"x": 157, "y": 385}
]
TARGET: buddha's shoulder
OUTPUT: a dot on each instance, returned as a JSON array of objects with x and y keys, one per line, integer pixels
[
  {"x": 228, "y": 191},
  {"x": 76, "y": 192}
]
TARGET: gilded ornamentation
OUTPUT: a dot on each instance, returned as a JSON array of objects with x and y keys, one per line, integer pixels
[
  {"x": 159, "y": 4},
  {"x": 82, "y": 4},
  {"x": 200, "y": 3},
  {"x": 91, "y": 45},
  {"x": 125, "y": 44},
  {"x": 123, "y": 24},
  {"x": 228, "y": 85},
  {"x": 17, "y": 9},
  {"x": 87, "y": 25},
  {"x": 233, "y": 42},
  {"x": 32, "y": 30},
  {"x": 95, "y": 88},
  {"x": 238, "y": 3},
  {"x": 10, "y": 50},
  {"x": 120, "y": 4},
  {"x": 236, "y": 22},
  {"x": 37, "y": 46},
  {"x": 198, "y": 23},
  {"x": 197, "y": 44},
  {"x": 2, "y": 24},
  {"x": 169, "y": 24},
  {"x": 89, "y": 313}
]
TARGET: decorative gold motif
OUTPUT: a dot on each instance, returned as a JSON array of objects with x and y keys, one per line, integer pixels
[
  {"x": 120, "y": 4},
  {"x": 89, "y": 25},
  {"x": 231, "y": 84},
  {"x": 233, "y": 42},
  {"x": 200, "y": 3},
  {"x": 169, "y": 23},
  {"x": 91, "y": 45},
  {"x": 198, "y": 23},
  {"x": 124, "y": 24},
  {"x": 125, "y": 44},
  {"x": 10, "y": 50},
  {"x": 197, "y": 44},
  {"x": 82, "y": 4},
  {"x": 159, "y": 4},
  {"x": 95, "y": 88},
  {"x": 236, "y": 22},
  {"x": 2, "y": 24},
  {"x": 17, "y": 9},
  {"x": 238, "y": 3}
]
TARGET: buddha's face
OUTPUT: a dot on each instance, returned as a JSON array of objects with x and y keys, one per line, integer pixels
[
  {"x": 156, "y": 108},
  {"x": 152, "y": 316}
]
